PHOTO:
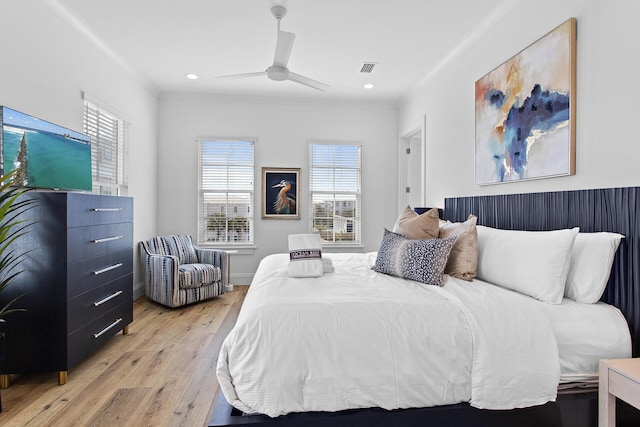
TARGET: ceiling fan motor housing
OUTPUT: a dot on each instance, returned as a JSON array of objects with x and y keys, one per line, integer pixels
[
  {"x": 278, "y": 11},
  {"x": 277, "y": 73}
]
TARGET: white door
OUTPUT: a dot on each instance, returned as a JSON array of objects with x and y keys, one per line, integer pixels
[
  {"x": 414, "y": 188},
  {"x": 411, "y": 169}
]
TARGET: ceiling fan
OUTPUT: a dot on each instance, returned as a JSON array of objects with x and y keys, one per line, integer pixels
[{"x": 279, "y": 71}]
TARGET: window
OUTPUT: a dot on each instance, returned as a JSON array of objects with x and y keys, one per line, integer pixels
[
  {"x": 225, "y": 201},
  {"x": 109, "y": 138},
  {"x": 335, "y": 192}
]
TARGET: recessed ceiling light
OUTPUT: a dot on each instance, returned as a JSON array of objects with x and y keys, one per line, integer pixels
[
  {"x": 369, "y": 86},
  {"x": 191, "y": 76}
]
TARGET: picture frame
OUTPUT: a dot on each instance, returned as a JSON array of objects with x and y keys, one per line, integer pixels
[
  {"x": 280, "y": 193},
  {"x": 525, "y": 112}
]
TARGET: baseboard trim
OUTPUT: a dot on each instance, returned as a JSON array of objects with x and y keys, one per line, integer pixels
[
  {"x": 138, "y": 291},
  {"x": 241, "y": 278}
]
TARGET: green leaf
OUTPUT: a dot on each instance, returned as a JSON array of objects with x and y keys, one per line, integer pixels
[{"x": 12, "y": 227}]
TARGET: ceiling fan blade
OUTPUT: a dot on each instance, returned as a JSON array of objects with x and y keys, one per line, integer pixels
[
  {"x": 308, "y": 82},
  {"x": 283, "y": 48},
  {"x": 241, "y": 76}
]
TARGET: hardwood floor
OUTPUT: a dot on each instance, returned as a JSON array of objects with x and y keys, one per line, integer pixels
[{"x": 161, "y": 374}]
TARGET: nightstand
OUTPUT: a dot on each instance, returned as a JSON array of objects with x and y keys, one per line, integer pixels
[{"x": 618, "y": 378}]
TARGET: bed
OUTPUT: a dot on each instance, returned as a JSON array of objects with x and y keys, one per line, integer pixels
[{"x": 483, "y": 345}]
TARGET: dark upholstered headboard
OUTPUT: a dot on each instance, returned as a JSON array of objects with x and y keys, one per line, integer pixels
[{"x": 611, "y": 209}]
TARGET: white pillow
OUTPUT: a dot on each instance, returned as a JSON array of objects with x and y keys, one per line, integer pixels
[
  {"x": 591, "y": 261},
  {"x": 534, "y": 263}
]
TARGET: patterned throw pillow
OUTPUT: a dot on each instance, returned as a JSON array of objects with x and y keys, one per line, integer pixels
[{"x": 419, "y": 260}]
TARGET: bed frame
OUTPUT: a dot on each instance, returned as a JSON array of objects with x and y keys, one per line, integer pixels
[{"x": 614, "y": 210}]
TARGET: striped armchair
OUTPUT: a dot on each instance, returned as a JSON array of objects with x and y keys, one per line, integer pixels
[{"x": 178, "y": 273}]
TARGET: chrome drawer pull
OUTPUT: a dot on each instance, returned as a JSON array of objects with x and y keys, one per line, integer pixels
[
  {"x": 104, "y": 270},
  {"x": 118, "y": 320},
  {"x": 106, "y": 239},
  {"x": 106, "y": 209},
  {"x": 109, "y": 298}
]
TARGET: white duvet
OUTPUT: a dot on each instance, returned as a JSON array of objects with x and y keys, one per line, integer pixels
[{"x": 355, "y": 338}]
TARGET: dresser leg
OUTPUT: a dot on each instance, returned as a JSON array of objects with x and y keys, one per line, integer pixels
[
  {"x": 125, "y": 330},
  {"x": 62, "y": 377},
  {"x": 5, "y": 380}
]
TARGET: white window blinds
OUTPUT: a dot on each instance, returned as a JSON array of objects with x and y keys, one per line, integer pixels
[
  {"x": 109, "y": 137},
  {"x": 335, "y": 181},
  {"x": 226, "y": 192}
]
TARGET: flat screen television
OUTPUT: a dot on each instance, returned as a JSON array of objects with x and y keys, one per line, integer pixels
[{"x": 45, "y": 154}]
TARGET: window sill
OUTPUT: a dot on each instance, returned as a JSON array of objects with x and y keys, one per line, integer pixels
[
  {"x": 234, "y": 249},
  {"x": 333, "y": 247}
]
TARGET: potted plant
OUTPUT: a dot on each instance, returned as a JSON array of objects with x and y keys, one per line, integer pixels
[{"x": 12, "y": 226}]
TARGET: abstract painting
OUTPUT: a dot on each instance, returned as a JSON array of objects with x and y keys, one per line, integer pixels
[
  {"x": 525, "y": 112},
  {"x": 280, "y": 193}
]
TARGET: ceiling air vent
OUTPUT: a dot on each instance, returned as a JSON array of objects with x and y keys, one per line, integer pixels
[{"x": 367, "y": 67}]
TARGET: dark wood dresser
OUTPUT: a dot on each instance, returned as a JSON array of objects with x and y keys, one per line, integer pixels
[{"x": 76, "y": 285}]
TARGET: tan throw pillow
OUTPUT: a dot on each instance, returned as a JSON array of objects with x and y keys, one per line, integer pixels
[
  {"x": 414, "y": 226},
  {"x": 463, "y": 259}
]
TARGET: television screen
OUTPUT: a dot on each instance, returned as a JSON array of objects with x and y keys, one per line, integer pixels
[{"x": 45, "y": 154}]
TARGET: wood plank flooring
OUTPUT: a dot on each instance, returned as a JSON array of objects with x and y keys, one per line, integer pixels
[{"x": 161, "y": 374}]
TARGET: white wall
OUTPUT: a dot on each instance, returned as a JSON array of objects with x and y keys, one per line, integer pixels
[
  {"x": 607, "y": 153},
  {"x": 47, "y": 63},
  {"x": 282, "y": 128}
]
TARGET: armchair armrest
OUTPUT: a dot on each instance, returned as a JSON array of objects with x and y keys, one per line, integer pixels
[
  {"x": 161, "y": 279},
  {"x": 218, "y": 258},
  {"x": 211, "y": 256},
  {"x": 160, "y": 276}
]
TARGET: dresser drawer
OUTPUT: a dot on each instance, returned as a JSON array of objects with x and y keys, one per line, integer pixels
[
  {"x": 88, "y": 242},
  {"x": 87, "y": 274},
  {"x": 90, "y": 305},
  {"x": 94, "y": 209},
  {"x": 88, "y": 339}
]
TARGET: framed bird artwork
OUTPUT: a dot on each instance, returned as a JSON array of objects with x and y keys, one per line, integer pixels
[{"x": 280, "y": 193}]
